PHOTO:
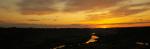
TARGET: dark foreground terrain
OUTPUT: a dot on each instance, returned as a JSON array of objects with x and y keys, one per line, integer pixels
[{"x": 74, "y": 38}]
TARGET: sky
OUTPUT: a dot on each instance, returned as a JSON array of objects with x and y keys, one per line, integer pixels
[{"x": 74, "y": 13}]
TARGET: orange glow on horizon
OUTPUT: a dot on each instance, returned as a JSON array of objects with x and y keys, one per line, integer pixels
[
  {"x": 119, "y": 25},
  {"x": 104, "y": 26}
]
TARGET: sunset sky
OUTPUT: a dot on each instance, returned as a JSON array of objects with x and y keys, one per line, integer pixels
[{"x": 74, "y": 13}]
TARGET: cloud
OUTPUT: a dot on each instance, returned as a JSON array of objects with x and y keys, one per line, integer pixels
[
  {"x": 33, "y": 20},
  {"x": 70, "y": 26},
  {"x": 148, "y": 4},
  {"x": 79, "y": 5},
  {"x": 45, "y": 26},
  {"x": 127, "y": 23},
  {"x": 132, "y": 9},
  {"x": 95, "y": 17},
  {"x": 39, "y": 7},
  {"x": 4, "y": 22},
  {"x": 131, "y": 2},
  {"x": 4, "y": 7},
  {"x": 1, "y": 22},
  {"x": 120, "y": 11},
  {"x": 125, "y": 11}
]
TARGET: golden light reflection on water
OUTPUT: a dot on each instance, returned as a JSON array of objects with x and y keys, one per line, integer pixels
[{"x": 92, "y": 39}]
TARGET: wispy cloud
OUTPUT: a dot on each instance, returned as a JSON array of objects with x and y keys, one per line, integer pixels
[
  {"x": 39, "y": 7},
  {"x": 33, "y": 20}
]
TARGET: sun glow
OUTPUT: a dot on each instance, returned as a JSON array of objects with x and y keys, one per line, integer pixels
[{"x": 103, "y": 26}]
